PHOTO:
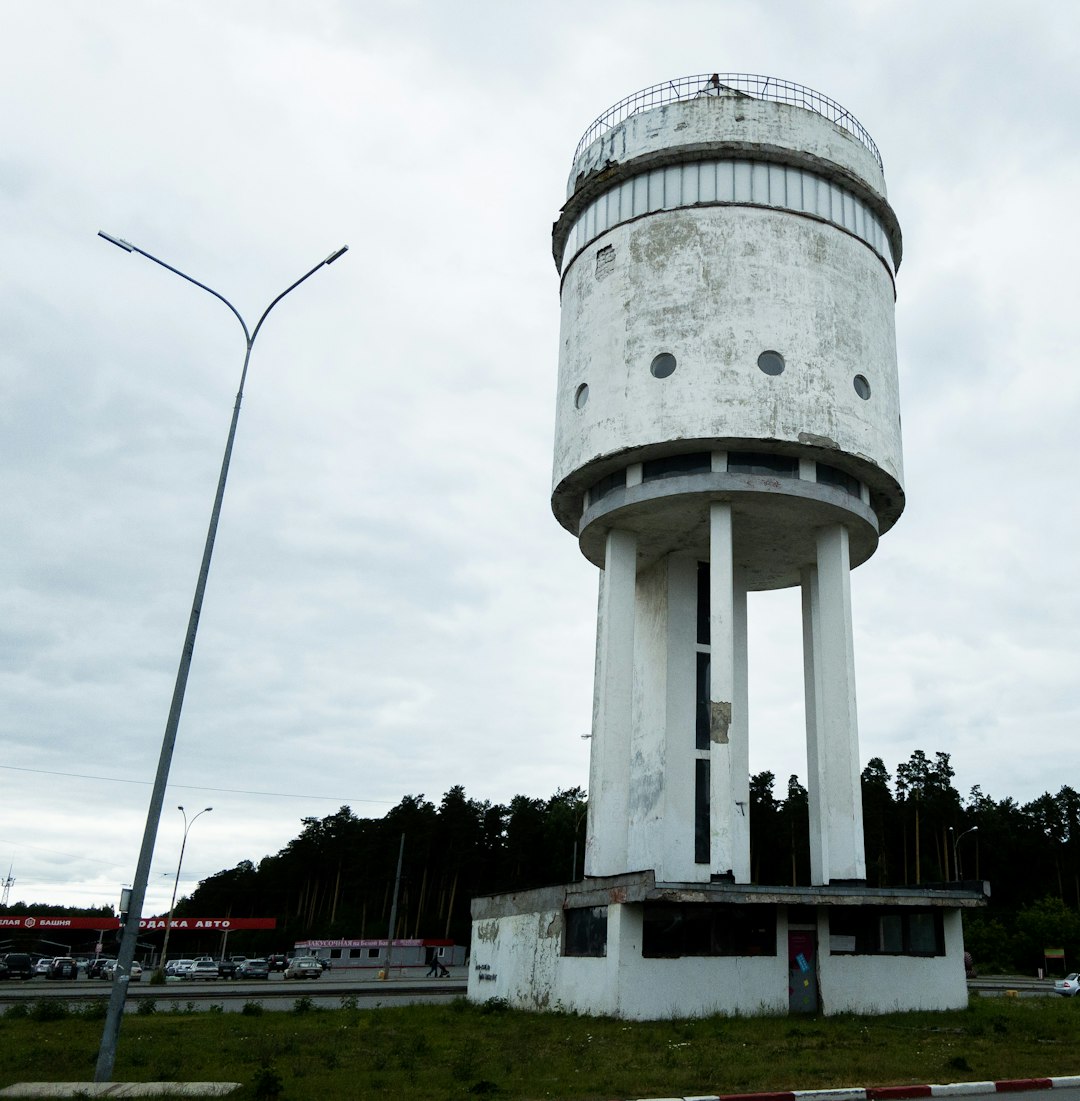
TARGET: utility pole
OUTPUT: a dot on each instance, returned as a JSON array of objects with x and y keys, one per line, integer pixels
[{"x": 393, "y": 906}]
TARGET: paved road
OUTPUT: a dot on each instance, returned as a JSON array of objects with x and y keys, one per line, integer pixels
[
  {"x": 330, "y": 988},
  {"x": 273, "y": 993}
]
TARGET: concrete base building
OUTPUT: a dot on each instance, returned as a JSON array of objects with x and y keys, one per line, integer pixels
[
  {"x": 728, "y": 421},
  {"x": 627, "y": 946}
]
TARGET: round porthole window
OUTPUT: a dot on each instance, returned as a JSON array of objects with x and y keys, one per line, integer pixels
[
  {"x": 581, "y": 396},
  {"x": 862, "y": 387},
  {"x": 663, "y": 365},
  {"x": 772, "y": 363}
]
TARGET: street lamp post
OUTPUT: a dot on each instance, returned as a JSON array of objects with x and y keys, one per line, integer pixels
[
  {"x": 118, "y": 995},
  {"x": 955, "y": 848},
  {"x": 176, "y": 883}
]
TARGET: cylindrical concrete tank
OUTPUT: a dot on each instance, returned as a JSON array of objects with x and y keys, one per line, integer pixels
[{"x": 727, "y": 256}]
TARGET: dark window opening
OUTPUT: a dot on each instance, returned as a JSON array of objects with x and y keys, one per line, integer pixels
[
  {"x": 585, "y": 931},
  {"x": 697, "y": 462},
  {"x": 762, "y": 462},
  {"x": 878, "y": 931},
  {"x": 772, "y": 363},
  {"x": 606, "y": 485},
  {"x": 708, "y": 929},
  {"x": 701, "y": 812},
  {"x": 830, "y": 476},
  {"x": 703, "y": 603},
  {"x": 663, "y": 365},
  {"x": 701, "y": 740}
]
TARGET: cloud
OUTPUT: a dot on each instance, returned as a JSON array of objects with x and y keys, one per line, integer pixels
[{"x": 392, "y": 607}]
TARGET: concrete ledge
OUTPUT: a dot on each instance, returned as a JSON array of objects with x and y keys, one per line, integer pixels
[
  {"x": 631, "y": 887},
  {"x": 120, "y": 1089}
]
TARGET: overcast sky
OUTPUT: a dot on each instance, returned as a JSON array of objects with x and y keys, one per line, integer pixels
[{"x": 392, "y": 608}]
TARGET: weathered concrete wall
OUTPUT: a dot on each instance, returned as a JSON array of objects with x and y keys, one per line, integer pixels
[
  {"x": 518, "y": 958},
  {"x": 887, "y": 984},
  {"x": 693, "y": 986},
  {"x": 715, "y": 287},
  {"x": 735, "y": 125}
]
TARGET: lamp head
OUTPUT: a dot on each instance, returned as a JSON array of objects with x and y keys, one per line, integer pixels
[{"x": 116, "y": 241}]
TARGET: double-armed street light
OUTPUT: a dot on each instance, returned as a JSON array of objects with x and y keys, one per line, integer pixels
[
  {"x": 118, "y": 995},
  {"x": 176, "y": 883}
]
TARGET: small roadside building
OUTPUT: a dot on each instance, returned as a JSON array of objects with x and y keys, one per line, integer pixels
[{"x": 365, "y": 954}]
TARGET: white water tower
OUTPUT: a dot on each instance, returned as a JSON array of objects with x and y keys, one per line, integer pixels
[{"x": 728, "y": 420}]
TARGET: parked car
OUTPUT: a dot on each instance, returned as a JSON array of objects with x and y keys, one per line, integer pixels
[
  {"x": 96, "y": 967},
  {"x": 62, "y": 967},
  {"x": 18, "y": 965},
  {"x": 108, "y": 971},
  {"x": 228, "y": 969},
  {"x": 179, "y": 968},
  {"x": 277, "y": 962},
  {"x": 203, "y": 969},
  {"x": 253, "y": 969},
  {"x": 41, "y": 966},
  {"x": 303, "y": 967},
  {"x": 1068, "y": 986}
]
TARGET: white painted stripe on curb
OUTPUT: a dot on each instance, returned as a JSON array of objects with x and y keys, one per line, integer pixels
[
  {"x": 1066, "y": 1082},
  {"x": 831, "y": 1095},
  {"x": 957, "y": 1089}
]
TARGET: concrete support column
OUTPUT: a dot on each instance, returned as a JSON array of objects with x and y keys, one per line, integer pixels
[
  {"x": 832, "y": 731},
  {"x": 740, "y": 736},
  {"x": 729, "y": 823},
  {"x": 673, "y": 726},
  {"x": 609, "y": 764},
  {"x": 811, "y": 627}
]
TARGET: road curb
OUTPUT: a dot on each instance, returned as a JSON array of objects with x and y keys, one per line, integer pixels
[{"x": 889, "y": 1093}]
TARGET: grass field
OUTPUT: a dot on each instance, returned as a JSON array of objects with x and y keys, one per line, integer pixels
[{"x": 461, "y": 1050}]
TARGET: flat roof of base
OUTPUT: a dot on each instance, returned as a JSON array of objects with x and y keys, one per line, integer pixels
[{"x": 638, "y": 887}]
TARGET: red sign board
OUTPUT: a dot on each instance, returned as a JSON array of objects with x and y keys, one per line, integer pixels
[
  {"x": 50, "y": 923},
  {"x": 54, "y": 923},
  {"x": 231, "y": 924}
]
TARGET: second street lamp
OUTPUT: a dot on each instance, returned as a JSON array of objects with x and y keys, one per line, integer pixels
[
  {"x": 176, "y": 883},
  {"x": 118, "y": 995},
  {"x": 956, "y": 850}
]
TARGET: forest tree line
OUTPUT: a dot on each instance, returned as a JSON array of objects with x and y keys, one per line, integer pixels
[{"x": 336, "y": 878}]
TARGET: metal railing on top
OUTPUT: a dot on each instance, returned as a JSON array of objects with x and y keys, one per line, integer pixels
[{"x": 728, "y": 84}]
